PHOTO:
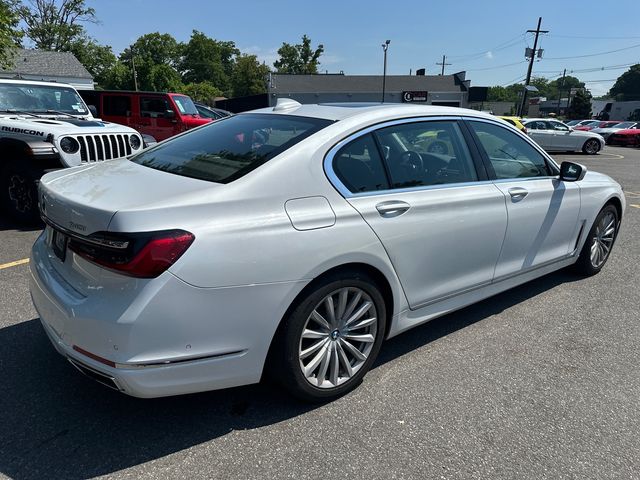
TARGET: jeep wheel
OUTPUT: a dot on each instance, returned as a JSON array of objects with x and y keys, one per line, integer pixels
[{"x": 19, "y": 192}]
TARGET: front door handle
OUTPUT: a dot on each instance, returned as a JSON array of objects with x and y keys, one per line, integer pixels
[
  {"x": 392, "y": 208},
  {"x": 518, "y": 193}
]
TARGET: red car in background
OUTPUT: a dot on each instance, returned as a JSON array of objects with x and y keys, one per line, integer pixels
[
  {"x": 596, "y": 124},
  {"x": 629, "y": 137},
  {"x": 161, "y": 115}
]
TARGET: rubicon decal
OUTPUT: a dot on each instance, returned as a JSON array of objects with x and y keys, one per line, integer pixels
[{"x": 24, "y": 131}]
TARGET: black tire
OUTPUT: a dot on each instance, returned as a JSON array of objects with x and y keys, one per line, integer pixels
[
  {"x": 19, "y": 191},
  {"x": 585, "y": 264},
  {"x": 285, "y": 365},
  {"x": 591, "y": 146}
]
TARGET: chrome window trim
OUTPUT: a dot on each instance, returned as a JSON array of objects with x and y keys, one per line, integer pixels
[{"x": 346, "y": 193}]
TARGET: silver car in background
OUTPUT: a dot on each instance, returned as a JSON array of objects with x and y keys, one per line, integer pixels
[
  {"x": 293, "y": 240},
  {"x": 555, "y": 136},
  {"x": 606, "y": 132}
]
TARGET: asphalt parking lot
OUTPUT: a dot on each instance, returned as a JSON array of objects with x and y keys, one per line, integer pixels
[{"x": 539, "y": 382}]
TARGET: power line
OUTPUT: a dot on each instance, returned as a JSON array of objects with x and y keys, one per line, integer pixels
[
  {"x": 593, "y": 38},
  {"x": 595, "y": 54},
  {"x": 496, "y": 66},
  {"x": 497, "y": 48}
]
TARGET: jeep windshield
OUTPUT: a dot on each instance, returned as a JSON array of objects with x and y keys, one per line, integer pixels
[
  {"x": 228, "y": 149},
  {"x": 40, "y": 99},
  {"x": 185, "y": 105}
]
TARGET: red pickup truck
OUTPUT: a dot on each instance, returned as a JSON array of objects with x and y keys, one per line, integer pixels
[{"x": 161, "y": 115}]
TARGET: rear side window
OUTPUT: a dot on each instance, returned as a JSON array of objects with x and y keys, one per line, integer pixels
[
  {"x": 228, "y": 149},
  {"x": 509, "y": 155},
  {"x": 359, "y": 167},
  {"x": 116, "y": 105}
]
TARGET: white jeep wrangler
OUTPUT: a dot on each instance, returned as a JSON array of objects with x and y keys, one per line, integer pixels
[{"x": 45, "y": 126}]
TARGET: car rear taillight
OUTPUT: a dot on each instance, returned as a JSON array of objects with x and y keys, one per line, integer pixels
[
  {"x": 524, "y": 130},
  {"x": 142, "y": 255}
]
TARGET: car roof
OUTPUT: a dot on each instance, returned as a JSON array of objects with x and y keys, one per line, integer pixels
[
  {"x": 341, "y": 111},
  {"x": 32, "y": 82}
]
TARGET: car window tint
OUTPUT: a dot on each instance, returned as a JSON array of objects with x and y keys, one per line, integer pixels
[
  {"x": 153, "y": 107},
  {"x": 510, "y": 155},
  {"x": 229, "y": 149},
  {"x": 426, "y": 153},
  {"x": 359, "y": 167},
  {"x": 559, "y": 126},
  {"x": 116, "y": 105}
]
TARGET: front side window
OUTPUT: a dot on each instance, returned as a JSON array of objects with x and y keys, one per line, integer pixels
[
  {"x": 426, "y": 153},
  {"x": 359, "y": 166},
  {"x": 509, "y": 154},
  {"x": 559, "y": 126},
  {"x": 229, "y": 149},
  {"x": 154, "y": 107}
]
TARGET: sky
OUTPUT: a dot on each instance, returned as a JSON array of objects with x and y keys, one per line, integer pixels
[{"x": 594, "y": 41}]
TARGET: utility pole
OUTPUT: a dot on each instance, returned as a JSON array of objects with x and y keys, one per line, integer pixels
[
  {"x": 560, "y": 91},
  {"x": 444, "y": 62},
  {"x": 385, "y": 46},
  {"x": 537, "y": 31},
  {"x": 135, "y": 74}
]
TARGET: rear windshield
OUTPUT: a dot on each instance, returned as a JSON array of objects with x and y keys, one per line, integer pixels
[{"x": 228, "y": 149}]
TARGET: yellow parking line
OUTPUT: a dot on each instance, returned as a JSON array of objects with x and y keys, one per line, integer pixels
[{"x": 14, "y": 264}]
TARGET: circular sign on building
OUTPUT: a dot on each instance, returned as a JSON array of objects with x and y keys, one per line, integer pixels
[{"x": 413, "y": 96}]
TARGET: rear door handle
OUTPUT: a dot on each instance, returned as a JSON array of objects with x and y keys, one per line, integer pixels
[
  {"x": 392, "y": 208},
  {"x": 518, "y": 193}
]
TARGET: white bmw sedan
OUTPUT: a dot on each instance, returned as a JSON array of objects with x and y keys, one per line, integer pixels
[
  {"x": 555, "y": 136},
  {"x": 294, "y": 240}
]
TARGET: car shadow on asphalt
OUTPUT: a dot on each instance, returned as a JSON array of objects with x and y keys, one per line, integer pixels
[
  {"x": 7, "y": 223},
  {"x": 55, "y": 423}
]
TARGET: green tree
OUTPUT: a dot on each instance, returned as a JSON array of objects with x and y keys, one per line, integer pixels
[
  {"x": 627, "y": 86},
  {"x": 299, "y": 58},
  {"x": 580, "y": 106},
  {"x": 204, "y": 92},
  {"x": 155, "y": 57},
  {"x": 10, "y": 34},
  {"x": 162, "y": 78},
  {"x": 56, "y": 24},
  {"x": 249, "y": 76},
  {"x": 97, "y": 59},
  {"x": 118, "y": 77},
  {"x": 206, "y": 59}
]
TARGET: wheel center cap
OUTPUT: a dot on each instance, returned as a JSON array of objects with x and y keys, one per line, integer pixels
[{"x": 335, "y": 334}]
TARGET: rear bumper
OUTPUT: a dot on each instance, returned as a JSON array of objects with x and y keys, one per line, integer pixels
[{"x": 164, "y": 338}]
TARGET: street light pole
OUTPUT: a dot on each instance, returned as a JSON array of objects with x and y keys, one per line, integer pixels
[{"x": 385, "y": 46}]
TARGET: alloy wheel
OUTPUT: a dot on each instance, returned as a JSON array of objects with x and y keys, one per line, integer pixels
[
  {"x": 603, "y": 238},
  {"x": 338, "y": 337},
  {"x": 592, "y": 147}
]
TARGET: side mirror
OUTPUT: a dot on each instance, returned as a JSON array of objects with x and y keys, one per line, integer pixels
[
  {"x": 93, "y": 110},
  {"x": 170, "y": 114},
  {"x": 572, "y": 172}
]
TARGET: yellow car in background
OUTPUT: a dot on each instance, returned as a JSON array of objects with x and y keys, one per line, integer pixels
[{"x": 515, "y": 121}]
